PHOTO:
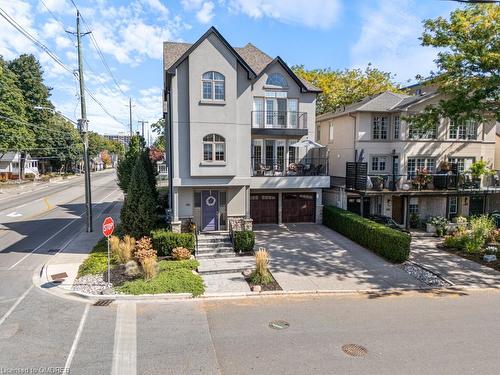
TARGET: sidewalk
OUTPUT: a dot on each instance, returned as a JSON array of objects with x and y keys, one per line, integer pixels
[
  {"x": 459, "y": 271},
  {"x": 70, "y": 257}
]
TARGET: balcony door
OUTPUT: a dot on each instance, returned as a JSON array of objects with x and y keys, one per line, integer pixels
[{"x": 275, "y": 112}]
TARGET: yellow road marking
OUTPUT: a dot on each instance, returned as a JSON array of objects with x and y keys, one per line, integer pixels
[{"x": 49, "y": 206}]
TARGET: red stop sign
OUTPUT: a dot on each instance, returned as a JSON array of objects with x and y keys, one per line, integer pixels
[{"x": 108, "y": 226}]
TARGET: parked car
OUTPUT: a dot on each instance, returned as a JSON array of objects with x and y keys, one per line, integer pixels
[{"x": 388, "y": 222}]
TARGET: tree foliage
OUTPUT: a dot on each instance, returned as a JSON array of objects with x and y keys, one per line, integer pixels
[
  {"x": 468, "y": 65},
  {"x": 126, "y": 165},
  {"x": 344, "y": 87},
  {"x": 159, "y": 128},
  {"x": 14, "y": 135},
  {"x": 138, "y": 215}
]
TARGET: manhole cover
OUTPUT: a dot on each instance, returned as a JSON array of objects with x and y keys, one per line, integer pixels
[
  {"x": 279, "y": 324},
  {"x": 103, "y": 302},
  {"x": 354, "y": 350}
]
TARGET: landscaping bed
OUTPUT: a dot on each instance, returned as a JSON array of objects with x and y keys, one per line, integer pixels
[
  {"x": 475, "y": 257},
  {"x": 271, "y": 286},
  {"x": 172, "y": 276}
]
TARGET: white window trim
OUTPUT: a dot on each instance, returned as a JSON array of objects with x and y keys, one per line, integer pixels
[{"x": 213, "y": 81}]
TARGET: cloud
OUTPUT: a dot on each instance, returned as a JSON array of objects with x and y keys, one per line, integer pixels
[
  {"x": 311, "y": 13},
  {"x": 191, "y": 4},
  {"x": 13, "y": 43},
  {"x": 157, "y": 5},
  {"x": 389, "y": 40},
  {"x": 205, "y": 14}
]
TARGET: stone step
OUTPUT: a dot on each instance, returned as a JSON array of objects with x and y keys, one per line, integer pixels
[
  {"x": 212, "y": 243},
  {"x": 220, "y": 265},
  {"x": 225, "y": 249},
  {"x": 215, "y": 255}
]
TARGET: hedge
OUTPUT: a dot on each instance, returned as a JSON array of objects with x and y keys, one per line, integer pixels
[
  {"x": 244, "y": 241},
  {"x": 164, "y": 241},
  {"x": 389, "y": 243}
]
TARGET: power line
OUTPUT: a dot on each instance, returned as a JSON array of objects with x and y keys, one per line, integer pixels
[
  {"x": 98, "y": 49},
  {"x": 53, "y": 56},
  {"x": 36, "y": 126}
]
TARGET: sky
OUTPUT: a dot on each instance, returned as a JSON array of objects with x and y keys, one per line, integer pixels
[{"x": 339, "y": 34}]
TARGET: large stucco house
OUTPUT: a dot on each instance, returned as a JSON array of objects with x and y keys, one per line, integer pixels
[
  {"x": 403, "y": 171},
  {"x": 232, "y": 115}
]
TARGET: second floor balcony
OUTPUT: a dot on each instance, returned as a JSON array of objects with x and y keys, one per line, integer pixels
[
  {"x": 279, "y": 122},
  {"x": 308, "y": 166}
]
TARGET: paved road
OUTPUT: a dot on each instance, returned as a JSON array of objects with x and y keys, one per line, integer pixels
[{"x": 411, "y": 333}]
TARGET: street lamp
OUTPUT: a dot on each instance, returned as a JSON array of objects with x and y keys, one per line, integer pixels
[{"x": 82, "y": 127}]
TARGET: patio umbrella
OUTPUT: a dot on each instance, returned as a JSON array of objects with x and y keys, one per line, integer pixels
[{"x": 307, "y": 143}]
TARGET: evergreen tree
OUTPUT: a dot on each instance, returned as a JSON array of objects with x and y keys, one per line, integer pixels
[
  {"x": 150, "y": 170},
  {"x": 138, "y": 214},
  {"x": 126, "y": 165}
]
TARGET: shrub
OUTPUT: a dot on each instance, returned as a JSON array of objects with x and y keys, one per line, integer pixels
[
  {"x": 138, "y": 214},
  {"x": 244, "y": 241},
  {"x": 261, "y": 274},
  {"x": 414, "y": 220},
  {"x": 165, "y": 241},
  {"x": 455, "y": 241},
  {"x": 439, "y": 223},
  {"x": 181, "y": 253},
  {"x": 389, "y": 243},
  {"x": 481, "y": 230},
  {"x": 146, "y": 256},
  {"x": 122, "y": 249}
]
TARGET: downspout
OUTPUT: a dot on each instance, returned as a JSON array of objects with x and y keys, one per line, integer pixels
[
  {"x": 354, "y": 134},
  {"x": 169, "y": 144}
]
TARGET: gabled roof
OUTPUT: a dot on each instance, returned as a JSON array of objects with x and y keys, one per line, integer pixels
[
  {"x": 386, "y": 101},
  {"x": 182, "y": 52},
  {"x": 252, "y": 58},
  {"x": 9, "y": 156}
]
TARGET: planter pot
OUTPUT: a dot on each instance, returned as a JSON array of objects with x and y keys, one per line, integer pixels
[
  {"x": 489, "y": 258},
  {"x": 430, "y": 228}
]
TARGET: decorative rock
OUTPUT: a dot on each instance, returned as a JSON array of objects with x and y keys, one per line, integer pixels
[
  {"x": 489, "y": 258},
  {"x": 247, "y": 272},
  {"x": 256, "y": 288},
  {"x": 132, "y": 268},
  {"x": 92, "y": 284},
  {"x": 423, "y": 275}
]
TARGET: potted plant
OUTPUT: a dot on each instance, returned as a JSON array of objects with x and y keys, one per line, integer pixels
[
  {"x": 477, "y": 170},
  {"x": 377, "y": 182},
  {"x": 437, "y": 224},
  {"x": 422, "y": 179}
]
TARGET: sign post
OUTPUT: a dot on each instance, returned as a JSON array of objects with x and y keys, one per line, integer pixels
[{"x": 108, "y": 226}]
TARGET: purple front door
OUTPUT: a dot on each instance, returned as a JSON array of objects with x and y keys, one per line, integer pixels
[{"x": 209, "y": 207}]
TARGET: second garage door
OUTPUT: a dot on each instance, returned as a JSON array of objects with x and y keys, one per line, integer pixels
[{"x": 299, "y": 208}]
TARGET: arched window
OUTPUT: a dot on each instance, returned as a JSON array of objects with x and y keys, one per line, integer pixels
[
  {"x": 214, "y": 148},
  {"x": 213, "y": 86},
  {"x": 276, "y": 79}
]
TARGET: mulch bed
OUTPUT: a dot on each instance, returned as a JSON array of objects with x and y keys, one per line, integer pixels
[
  {"x": 478, "y": 258},
  {"x": 272, "y": 286}
]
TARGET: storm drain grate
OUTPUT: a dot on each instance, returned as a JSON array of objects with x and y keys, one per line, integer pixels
[
  {"x": 354, "y": 350},
  {"x": 52, "y": 251},
  {"x": 103, "y": 302},
  {"x": 279, "y": 324}
]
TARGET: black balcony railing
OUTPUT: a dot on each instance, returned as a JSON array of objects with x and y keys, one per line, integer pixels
[
  {"x": 308, "y": 166},
  {"x": 419, "y": 182},
  {"x": 279, "y": 120}
]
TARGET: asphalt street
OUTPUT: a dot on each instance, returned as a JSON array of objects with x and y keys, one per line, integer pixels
[{"x": 440, "y": 332}]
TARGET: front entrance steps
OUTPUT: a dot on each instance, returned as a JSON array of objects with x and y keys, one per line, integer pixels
[{"x": 214, "y": 245}]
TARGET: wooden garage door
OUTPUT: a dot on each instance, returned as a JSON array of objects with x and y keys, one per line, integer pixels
[
  {"x": 299, "y": 207},
  {"x": 264, "y": 208}
]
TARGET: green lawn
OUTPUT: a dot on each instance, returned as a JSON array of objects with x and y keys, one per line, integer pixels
[
  {"x": 174, "y": 277},
  {"x": 97, "y": 261}
]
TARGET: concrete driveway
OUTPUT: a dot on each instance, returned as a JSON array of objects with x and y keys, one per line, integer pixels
[{"x": 311, "y": 257}]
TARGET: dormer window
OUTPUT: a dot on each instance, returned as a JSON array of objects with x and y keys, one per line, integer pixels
[
  {"x": 213, "y": 86},
  {"x": 277, "y": 80}
]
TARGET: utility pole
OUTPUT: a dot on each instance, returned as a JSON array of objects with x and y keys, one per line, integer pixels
[
  {"x": 83, "y": 126},
  {"x": 130, "y": 115},
  {"x": 142, "y": 122}
]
